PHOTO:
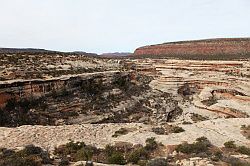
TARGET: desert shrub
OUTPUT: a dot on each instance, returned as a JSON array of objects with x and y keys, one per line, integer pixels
[
  {"x": 121, "y": 81},
  {"x": 137, "y": 154},
  {"x": 243, "y": 150},
  {"x": 6, "y": 152},
  {"x": 217, "y": 156},
  {"x": 109, "y": 150},
  {"x": 211, "y": 101},
  {"x": 186, "y": 123},
  {"x": 79, "y": 151},
  {"x": 185, "y": 148},
  {"x": 201, "y": 145},
  {"x": 230, "y": 144},
  {"x": 235, "y": 162},
  {"x": 177, "y": 129},
  {"x": 159, "y": 130},
  {"x": 82, "y": 155},
  {"x": 151, "y": 144},
  {"x": 198, "y": 118},
  {"x": 121, "y": 131},
  {"x": 246, "y": 131},
  {"x": 69, "y": 148},
  {"x": 116, "y": 158},
  {"x": 64, "y": 162},
  {"x": 29, "y": 156},
  {"x": 158, "y": 162},
  {"x": 30, "y": 149},
  {"x": 16, "y": 113},
  {"x": 113, "y": 156}
]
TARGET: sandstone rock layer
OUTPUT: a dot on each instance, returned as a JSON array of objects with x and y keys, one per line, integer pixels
[{"x": 200, "y": 49}]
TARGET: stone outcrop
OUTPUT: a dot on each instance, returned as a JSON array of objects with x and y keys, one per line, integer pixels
[
  {"x": 212, "y": 88},
  {"x": 234, "y": 48},
  {"x": 217, "y": 131},
  {"x": 38, "y": 87}
]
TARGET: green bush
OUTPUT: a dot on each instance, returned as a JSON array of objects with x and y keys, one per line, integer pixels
[
  {"x": 29, "y": 156},
  {"x": 30, "y": 150},
  {"x": 78, "y": 150},
  {"x": 159, "y": 130},
  {"x": 116, "y": 158},
  {"x": 137, "y": 154},
  {"x": 230, "y": 144},
  {"x": 82, "y": 155},
  {"x": 201, "y": 145},
  {"x": 177, "y": 129},
  {"x": 64, "y": 162},
  {"x": 151, "y": 144},
  {"x": 109, "y": 150},
  {"x": 121, "y": 131},
  {"x": 243, "y": 150},
  {"x": 217, "y": 156}
]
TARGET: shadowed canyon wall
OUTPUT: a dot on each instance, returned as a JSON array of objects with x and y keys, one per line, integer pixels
[{"x": 37, "y": 88}]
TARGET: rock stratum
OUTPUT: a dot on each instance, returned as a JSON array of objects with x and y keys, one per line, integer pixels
[
  {"x": 52, "y": 100},
  {"x": 230, "y": 48}
]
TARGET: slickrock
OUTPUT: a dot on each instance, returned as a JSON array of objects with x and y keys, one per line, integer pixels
[
  {"x": 217, "y": 131},
  {"x": 210, "y": 88}
]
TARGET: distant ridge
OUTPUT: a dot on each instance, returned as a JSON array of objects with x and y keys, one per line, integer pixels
[
  {"x": 116, "y": 54},
  {"x": 23, "y": 50},
  {"x": 39, "y": 51},
  {"x": 219, "y": 48}
]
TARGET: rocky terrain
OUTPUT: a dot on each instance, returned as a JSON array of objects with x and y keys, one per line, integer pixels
[
  {"x": 77, "y": 107},
  {"x": 211, "y": 49}
]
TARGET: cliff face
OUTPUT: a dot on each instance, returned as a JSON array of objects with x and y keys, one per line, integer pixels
[
  {"x": 36, "y": 88},
  {"x": 200, "y": 49}
]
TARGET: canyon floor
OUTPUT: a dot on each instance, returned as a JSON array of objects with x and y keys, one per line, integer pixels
[{"x": 49, "y": 102}]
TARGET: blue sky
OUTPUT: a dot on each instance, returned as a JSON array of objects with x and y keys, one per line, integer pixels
[{"x": 118, "y": 25}]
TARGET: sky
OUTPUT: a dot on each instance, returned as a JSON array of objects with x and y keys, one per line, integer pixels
[{"x": 102, "y": 26}]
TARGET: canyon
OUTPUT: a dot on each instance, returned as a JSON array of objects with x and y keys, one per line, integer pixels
[{"x": 51, "y": 99}]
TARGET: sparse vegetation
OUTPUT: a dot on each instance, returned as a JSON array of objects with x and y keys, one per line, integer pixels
[
  {"x": 116, "y": 158},
  {"x": 211, "y": 101},
  {"x": 159, "y": 130},
  {"x": 198, "y": 118},
  {"x": 167, "y": 129},
  {"x": 138, "y": 155},
  {"x": 244, "y": 150},
  {"x": 230, "y": 144},
  {"x": 29, "y": 156},
  {"x": 245, "y": 130},
  {"x": 177, "y": 129},
  {"x": 78, "y": 151},
  {"x": 111, "y": 154},
  {"x": 17, "y": 112},
  {"x": 201, "y": 145},
  {"x": 121, "y": 131}
]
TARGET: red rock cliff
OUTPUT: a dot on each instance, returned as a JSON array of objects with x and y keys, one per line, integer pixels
[{"x": 200, "y": 49}]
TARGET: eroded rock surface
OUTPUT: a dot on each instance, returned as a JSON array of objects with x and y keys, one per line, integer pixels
[
  {"x": 217, "y": 131},
  {"x": 89, "y": 99},
  {"x": 220, "y": 49}
]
